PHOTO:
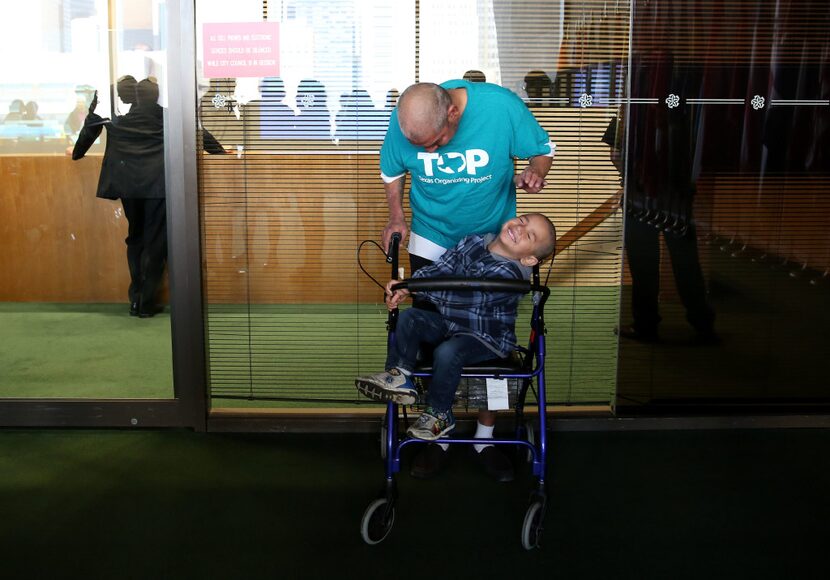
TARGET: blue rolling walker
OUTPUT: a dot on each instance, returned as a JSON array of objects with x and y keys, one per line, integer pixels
[{"x": 528, "y": 367}]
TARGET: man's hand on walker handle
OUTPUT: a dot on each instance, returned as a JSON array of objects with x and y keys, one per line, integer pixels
[{"x": 392, "y": 227}]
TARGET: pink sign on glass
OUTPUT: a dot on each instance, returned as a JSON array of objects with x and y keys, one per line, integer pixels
[{"x": 241, "y": 49}]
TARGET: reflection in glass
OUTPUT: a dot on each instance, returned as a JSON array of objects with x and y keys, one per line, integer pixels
[
  {"x": 133, "y": 171},
  {"x": 726, "y": 169},
  {"x": 65, "y": 290}
]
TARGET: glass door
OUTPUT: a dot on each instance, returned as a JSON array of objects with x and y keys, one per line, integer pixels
[
  {"x": 294, "y": 101},
  {"x": 87, "y": 290}
]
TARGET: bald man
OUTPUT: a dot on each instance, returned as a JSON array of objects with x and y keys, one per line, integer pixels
[{"x": 458, "y": 141}]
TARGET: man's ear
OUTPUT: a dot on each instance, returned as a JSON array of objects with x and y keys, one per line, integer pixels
[
  {"x": 529, "y": 261},
  {"x": 453, "y": 114}
]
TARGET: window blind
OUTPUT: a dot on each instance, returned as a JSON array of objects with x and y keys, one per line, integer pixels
[{"x": 291, "y": 319}]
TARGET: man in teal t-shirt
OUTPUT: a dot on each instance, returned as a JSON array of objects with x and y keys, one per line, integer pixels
[{"x": 458, "y": 141}]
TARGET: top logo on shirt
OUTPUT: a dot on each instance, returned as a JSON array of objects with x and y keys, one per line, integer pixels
[{"x": 454, "y": 162}]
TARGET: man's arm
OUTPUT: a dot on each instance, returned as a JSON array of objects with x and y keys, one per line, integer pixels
[
  {"x": 211, "y": 144},
  {"x": 93, "y": 126},
  {"x": 532, "y": 179},
  {"x": 397, "y": 220}
]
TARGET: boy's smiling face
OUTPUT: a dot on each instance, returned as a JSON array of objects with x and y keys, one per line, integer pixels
[{"x": 522, "y": 238}]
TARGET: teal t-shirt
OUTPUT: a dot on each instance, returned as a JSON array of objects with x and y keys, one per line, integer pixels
[{"x": 466, "y": 187}]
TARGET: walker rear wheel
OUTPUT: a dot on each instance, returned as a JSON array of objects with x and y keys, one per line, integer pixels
[
  {"x": 532, "y": 527},
  {"x": 377, "y": 521}
]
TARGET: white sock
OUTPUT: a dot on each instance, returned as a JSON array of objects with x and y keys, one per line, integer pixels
[
  {"x": 404, "y": 372},
  {"x": 483, "y": 432}
]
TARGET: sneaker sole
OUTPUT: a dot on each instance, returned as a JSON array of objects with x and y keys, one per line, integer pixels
[
  {"x": 375, "y": 393},
  {"x": 429, "y": 435}
]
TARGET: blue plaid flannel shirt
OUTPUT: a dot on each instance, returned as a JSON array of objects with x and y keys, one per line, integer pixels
[{"x": 489, "y": 316}]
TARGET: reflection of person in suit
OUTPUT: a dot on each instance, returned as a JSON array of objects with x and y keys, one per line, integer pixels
[
  {"x": 133, "y": 171},
  {"x": 358, "y": 118},
  {"x": 313, "y": 120},
  {"x": 539, "y": 88},
  {"x": 269, "y": 117},
  {"x": 219, "y": 112},
  {"x": 661, "y": 185}
]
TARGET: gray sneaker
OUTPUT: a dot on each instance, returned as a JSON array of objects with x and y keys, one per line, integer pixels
[
  {"x": 391, "y": 385},
  {"x": 431, "y": 425}
]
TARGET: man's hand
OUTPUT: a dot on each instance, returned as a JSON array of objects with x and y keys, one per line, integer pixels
[
  {"x": 529, "y": 180},
  {"x": 394, "y": 297},
  {"x": 391, "y": 227}
]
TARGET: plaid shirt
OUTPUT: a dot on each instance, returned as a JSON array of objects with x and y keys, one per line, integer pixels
[{"x": 489, "y": 316}]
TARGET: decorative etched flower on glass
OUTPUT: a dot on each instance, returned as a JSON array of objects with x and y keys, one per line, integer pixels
[
  {"x": 757, "y": 102},
  {"x": 672, "y": 101},
  {"x": 586, "y": 100},
  {"x": 218, "y": 101}
]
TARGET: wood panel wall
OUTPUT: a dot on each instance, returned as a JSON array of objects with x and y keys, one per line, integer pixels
[
  {"x": 60, "y": 243},
  {"x": 281, "y": 229},
  {"x": 284, "y": 227}
]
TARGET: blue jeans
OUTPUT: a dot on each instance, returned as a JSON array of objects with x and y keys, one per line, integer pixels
[{"x": 452, "y": 352}]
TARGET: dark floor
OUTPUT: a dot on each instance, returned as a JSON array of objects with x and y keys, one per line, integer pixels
[
  {"x": 775, "y": 329},
  {"x": 174, "y": 504}
]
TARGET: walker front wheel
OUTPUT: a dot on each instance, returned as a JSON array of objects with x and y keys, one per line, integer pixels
[
  {"x": 532, "y": 527},
  {"x": 377, "y": 521}
]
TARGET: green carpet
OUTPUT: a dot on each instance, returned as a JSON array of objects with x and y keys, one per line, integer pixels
[
  {"x": 83, "y": 351},
  {"x": 639, "y": 505},
  {"x": 256, "y": 352},
  {"x": 315, "y": 351}
]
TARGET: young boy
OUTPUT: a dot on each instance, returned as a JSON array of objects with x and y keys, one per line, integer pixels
[{"x": 468, "y": 327}]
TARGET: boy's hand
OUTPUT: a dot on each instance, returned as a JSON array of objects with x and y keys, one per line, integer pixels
[{"x": 393, "y": 298}]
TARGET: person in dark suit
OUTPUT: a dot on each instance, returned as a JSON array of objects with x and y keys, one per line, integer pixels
[
  {"x": 539, "y": 89},
  {"x": 133, "y": 171},
  {"x": 313, "y": 120},
  {"x": 359, "y": 119},
  {"x": 659, "y": 167},
  {"x": 269, "y": 117}
]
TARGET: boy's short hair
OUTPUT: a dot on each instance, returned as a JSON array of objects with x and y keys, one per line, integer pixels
[{"x": 547, "y": 250}]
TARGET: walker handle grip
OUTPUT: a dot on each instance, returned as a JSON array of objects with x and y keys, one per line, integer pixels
[
  {"x": 464, "y": 284},
  {"x": 394, "y": 245}
]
